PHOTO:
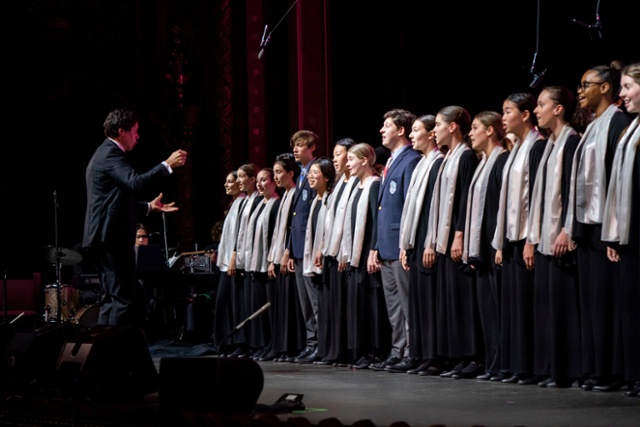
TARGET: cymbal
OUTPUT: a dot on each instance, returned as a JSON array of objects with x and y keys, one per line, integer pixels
[
  {"x": 193, "y": 253},
  {"x": 67, "y": 256}
]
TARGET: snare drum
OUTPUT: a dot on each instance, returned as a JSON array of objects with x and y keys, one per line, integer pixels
[{"x": 69, "y": 302}]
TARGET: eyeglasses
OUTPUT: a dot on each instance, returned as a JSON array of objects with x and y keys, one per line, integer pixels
[
  {"x": 141, "y": 236},
  {"x": 585, "y": 85}
]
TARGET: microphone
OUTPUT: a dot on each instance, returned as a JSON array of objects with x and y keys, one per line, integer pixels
[
  {"x": 263, "y": 43},
  {"x": 537, "y": 78},
  {"x": 254, "y": 315},
  {"x": 597, "y": 26}
]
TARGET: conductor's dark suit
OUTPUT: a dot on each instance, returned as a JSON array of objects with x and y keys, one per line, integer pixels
[{"x": 110, "y": 229}]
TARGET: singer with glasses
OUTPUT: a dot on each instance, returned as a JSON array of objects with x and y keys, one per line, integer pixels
[{"x": 598, "y": 91}]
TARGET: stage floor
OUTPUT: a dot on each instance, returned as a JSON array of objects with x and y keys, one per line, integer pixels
[
  {"x": 351, "y": 395},
  {"x": 348, "y": 396}
]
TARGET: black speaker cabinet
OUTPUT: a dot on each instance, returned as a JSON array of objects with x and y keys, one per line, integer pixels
[
  {"x": 30, "y": 357},
  {"x": 208, "y": 384},
  {"x": 107, "y": 363}
]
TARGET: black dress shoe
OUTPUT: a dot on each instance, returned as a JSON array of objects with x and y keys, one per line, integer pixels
[
  {"x": 257, "y": 353},
  {"x": 498, "y": 378},
  {"x": 364, "y": 362},
  {"x": 271, "y": 355},
  {"x": 609, "y": 386},
  {"x": 587, "y": 385},
  {"x": 532, "y": 379},
  {"x": 380, "y": 366},
  {"x": 633, "y": 392},
  {"x": 305, "y": 352},
  {"x": 549, "y": 382},
  {"x": 324, "y": 362},
  {"x": 421, "y": 367},
  {"x": 238, "y": 352},
  {"x": 449, "y": 374},
  {"x": 308, "y": 359},
  {"x": 402, "y": 366},
  {"x": 484, "y": 377},
  {"x": 469, "y": 371},
  {"x": 513, "y": 379}
]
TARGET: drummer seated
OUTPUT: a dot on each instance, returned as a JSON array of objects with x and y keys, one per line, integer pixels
[{"x": 25, "y": 301}]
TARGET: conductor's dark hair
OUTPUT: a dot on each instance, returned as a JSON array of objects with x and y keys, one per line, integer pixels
[{"x": 120, "y": 118}]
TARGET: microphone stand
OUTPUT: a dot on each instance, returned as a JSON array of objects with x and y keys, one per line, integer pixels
[
  {"x": 58, "y": 266},
  {"x": 245, "y": 321},
  {"x": 4, "y": 300},
  {"x": 164, "y": 230}
]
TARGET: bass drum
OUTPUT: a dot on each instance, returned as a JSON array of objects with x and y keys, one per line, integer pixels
[{"x": 86, "y": 318}]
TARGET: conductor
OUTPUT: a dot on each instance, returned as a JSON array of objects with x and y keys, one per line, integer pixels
[{"x": 112, "y": 214}]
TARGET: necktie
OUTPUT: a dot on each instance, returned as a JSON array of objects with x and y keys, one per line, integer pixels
[
  {"x": 303, "y": 173},
  {"x": 386, "y": 168}
]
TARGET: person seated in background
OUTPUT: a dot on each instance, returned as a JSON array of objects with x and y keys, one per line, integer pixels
[
  {"x": 211, "y": 250},
  {"x": 142, "y": 235}
]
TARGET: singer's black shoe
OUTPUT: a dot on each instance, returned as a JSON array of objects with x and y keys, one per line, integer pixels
[
  {"x": 309, "y": 359},
  {"x": 306, "y": 352},
  {"x": 239, "y": 352}
]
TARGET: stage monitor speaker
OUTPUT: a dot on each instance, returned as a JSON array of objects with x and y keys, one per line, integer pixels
[
  {"x": 107, "y": 364},
  {"x": 7, "y": 332},
  {"x": 30, "y": 357},
  {"x": 208, "y": 384}
]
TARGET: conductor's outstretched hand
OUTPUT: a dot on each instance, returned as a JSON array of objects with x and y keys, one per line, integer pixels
[
  {"x": 157, "y": 205},
  {"x": 177, "y": 158}
]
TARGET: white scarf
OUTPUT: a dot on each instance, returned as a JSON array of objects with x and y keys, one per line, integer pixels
[
  {"x": 311, "y": 248},
  {"x": 513, "y": 211},
  {"x": 442, "y": 201},
  {"x": 588, "y": 187},
  {"x": 352, "y": 240},
  {"x": 279, "y": 239},
  {"x": 476, "y": 203},
  {"x": 260, "y": 247},
  {"x": 229, "y": 234},
  {"x": 243, "y": 241},
  {"x": 412, "y": 208},
  {"x": 336, "y": 211},
  {"x": 547, "y": 194},
  {"x": 617, "y": 213}
]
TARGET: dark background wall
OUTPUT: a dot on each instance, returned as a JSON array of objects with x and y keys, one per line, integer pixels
[{"x": 67, "y": 63}]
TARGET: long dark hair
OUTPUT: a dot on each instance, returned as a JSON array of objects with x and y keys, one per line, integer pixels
[{"x": 328, "y": 170}]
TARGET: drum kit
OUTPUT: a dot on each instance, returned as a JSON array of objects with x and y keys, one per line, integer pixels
[{"x": 62, "y": 302}]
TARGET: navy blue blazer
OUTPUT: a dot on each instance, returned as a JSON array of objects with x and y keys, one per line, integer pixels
[
  {"x": 391, "y": 196},
  {"x": 112, "y": 208},
  {"x": 298, "y": 217}
]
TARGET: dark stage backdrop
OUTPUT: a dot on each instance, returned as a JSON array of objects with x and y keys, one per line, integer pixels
[{"x": 186, "y": 66}]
